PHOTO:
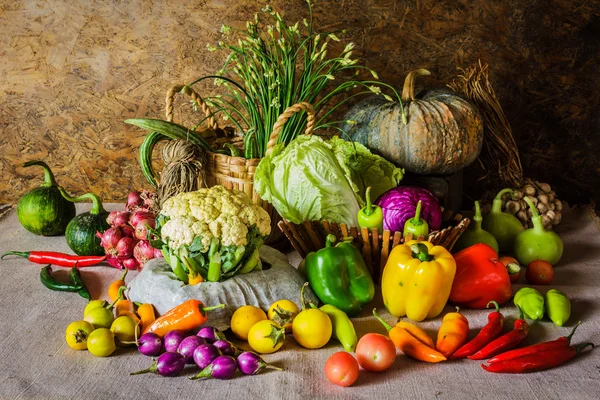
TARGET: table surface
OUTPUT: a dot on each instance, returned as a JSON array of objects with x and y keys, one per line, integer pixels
[{"x": 35, "y": 361}]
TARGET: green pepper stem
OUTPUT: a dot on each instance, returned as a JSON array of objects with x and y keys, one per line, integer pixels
[
  {"x": 330, "y": 240},
  {"x": 385, "y": 324},
  {"x": 580, "y": 347},
  {"x": 420, "y": 251},
  {"x": 122, "y": 278},
  {"x": 513, "y": 268},
  {"x": 210, "y": 308},
  {"x": 573, "y": 331},
  {"x": 121, "y": 294},
  {"x": 48, "y": 175},
  {"x": 495, "y": 305},
  {"x": 497, "y": 204},
  {"x": 417, "y": 216},
  {"x": 368, "y": 210},
  {"x": 97, "y": 207},
  {"x": 24, "y": 254}
]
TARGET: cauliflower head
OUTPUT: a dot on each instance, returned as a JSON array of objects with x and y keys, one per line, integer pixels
[{"x": 225, "y": 214}]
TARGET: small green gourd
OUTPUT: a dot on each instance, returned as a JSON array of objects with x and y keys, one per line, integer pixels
[
  {"x": 475, "y": 234},
  {"x": 537, "y": 243},
  {"x": 504, "y": 227}
]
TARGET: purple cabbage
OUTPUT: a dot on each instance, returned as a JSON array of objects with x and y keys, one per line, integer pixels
[{"x": 399, "y": 205}]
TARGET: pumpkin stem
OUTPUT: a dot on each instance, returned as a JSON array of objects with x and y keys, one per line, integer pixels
[
  {"x": 97, "y": 207},
  {"x": 48, "y": 175},
  {"x": 408, "y": 92}
]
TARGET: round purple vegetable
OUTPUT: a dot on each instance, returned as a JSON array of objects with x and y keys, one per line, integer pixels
[
  {"x": 210, "y": 334},
  {"x": 188, "y": 345},
  {"x": 167, "y": 364},
  {"x": 400, "y": 203},
  {"x": 222, "y": 367},
  {"x": 250, "y": 363},
  {"x": 205, "y": 354},
  {"x": 150, "y": 344},
  {"x": 173, "y": 339},
  {"x": 227, "y": 348}
]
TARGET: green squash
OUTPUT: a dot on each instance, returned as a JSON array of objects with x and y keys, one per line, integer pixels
[
  {"x": 475, "y": 234},
  {"x": 503, "y": 226},
  {"x": 43, "y": 210},
  {"x": 81, "y": 231}
]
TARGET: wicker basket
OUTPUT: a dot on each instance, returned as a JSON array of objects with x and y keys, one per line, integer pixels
[
  {"x": 310, "y": 236},
  {"x": 238, "y": 172}
]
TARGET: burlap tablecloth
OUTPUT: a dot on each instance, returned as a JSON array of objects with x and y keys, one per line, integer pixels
[{"x": 35, "y": 361}]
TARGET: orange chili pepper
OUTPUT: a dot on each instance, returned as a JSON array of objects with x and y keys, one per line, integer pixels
[
  {"x": 416, "y": 332},
  {"x": 453, "y": 333},
  {"x": 194, "y": 278},
  {"x": 124, "y": 306},
  {"x": 146, "y": 314},
  {"x": 410, "y": 345},
  {"x": 186, "y": 316},
  {"x": 113, "y": 289}
]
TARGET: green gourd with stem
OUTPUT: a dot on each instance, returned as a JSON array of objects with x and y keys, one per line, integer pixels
[
  {"x": 504, "y": 227},
  {"x": 475, "y": 234},
  {"x": 537, "y": 243}
]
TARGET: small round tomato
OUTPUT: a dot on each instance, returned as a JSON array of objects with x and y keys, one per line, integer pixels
[
  {"x": 244, "y": 318},
  {"x": 341, "y": 369},
  {"x": 266, "y": 336},
  {"x": 283, "y": 312},
  {"x": 375, "y": 352},
  {"x": 77, "y": 334},
  {"x": 539, "y": 272},
  {"x": 512, "y": 267},
  {"x": 312, "y": 328},
  {"x": 100, "y": 317},
  {"x": 101, "y": 342},
  {"x": 92, "y": 305},
  {"x": 125, "y": 330}
]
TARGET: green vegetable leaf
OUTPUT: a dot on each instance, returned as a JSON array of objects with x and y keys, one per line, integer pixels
[{"x": 196, "y": 245}]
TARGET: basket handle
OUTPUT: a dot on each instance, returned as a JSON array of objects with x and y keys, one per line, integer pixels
[
  {"x": 283, "y": 118},
  {"x": 212, "y": 123}
]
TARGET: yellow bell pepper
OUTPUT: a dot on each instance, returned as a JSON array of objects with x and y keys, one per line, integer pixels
[{"x": 417, "y": 279}]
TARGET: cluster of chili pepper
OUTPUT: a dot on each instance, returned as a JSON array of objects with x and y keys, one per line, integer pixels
[{"x": 77, "y": 284}]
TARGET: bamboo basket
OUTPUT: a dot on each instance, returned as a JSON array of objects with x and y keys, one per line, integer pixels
[
  {"x": 238, "y": 172},
  {"x": 375, "y": 247}
]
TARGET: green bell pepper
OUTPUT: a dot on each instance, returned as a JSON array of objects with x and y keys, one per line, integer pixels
[
  {"x": 370, "y": 216},
  {"x": 531, "y": 302},
  {"x": 558, "y": 307},
  {"x": 339, "y": 276}
]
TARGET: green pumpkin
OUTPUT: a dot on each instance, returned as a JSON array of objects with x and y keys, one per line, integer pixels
[
  {"x": 43, "y": 210},
  {"x": 81, "y": 231}
]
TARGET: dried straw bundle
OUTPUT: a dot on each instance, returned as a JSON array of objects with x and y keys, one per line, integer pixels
[{"x": 499, "y": 156}]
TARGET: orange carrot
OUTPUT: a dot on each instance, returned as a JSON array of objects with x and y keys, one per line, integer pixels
[{"x": 186, "y": 316}]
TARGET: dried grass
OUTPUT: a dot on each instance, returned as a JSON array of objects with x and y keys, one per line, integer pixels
[{"x": 183, "y": 169}]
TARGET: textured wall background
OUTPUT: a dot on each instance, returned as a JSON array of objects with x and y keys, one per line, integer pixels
[{"x": 72, "y": 71}]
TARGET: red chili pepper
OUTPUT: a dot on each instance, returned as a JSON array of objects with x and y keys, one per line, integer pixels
[
  {"x": 563, "y": 341},
  {"x": 59, "y": 259},
  {"x": 537, "y": 362},
  {"x": 489, "y": 332},
  {"x": 505, "y": 342}
]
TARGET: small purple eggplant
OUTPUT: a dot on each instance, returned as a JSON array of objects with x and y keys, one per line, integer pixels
[
  {"x": 222, "y": 367},
  {"x": 167, "y": 364},
  {"x": 187, "y": 346},
  {"x": 227, "y": 348},
  {"x": 250, "y": 363},
  {"x": 172, "y": 340},
  {"x": 210, "y": 334},
  {"x": 150, "y": 344},
  {"x": 205, "y": 354}
]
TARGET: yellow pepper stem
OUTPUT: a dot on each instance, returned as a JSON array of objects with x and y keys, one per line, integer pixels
[{"x": 420, "y": 251}]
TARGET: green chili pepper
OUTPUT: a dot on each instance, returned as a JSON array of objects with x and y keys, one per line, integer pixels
[
  {"x": 76, "y": 278},
  {"x": 51, "y": 283},
  {"x": 416, "y": 226},
  {"x": 531, "y": 302},
  {"x": 370, "y": 216},
  {"x": 558, "y": 307}
]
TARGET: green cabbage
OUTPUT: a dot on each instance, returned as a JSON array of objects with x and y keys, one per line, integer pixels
[
  {"x": 311, "y": 179},
  {"x": 366, "y": 168},
  {"x": 305, "y": 182}
]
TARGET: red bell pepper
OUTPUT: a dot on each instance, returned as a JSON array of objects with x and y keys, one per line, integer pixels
[{"x": 479, "y": 278}]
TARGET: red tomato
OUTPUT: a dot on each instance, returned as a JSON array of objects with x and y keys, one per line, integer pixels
[
  {"x": 512, "y": 267},
  {"x": 341, "y": 369},
  {"x": 375, "y": 352},
  {"x": 539, "y": 272}
]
